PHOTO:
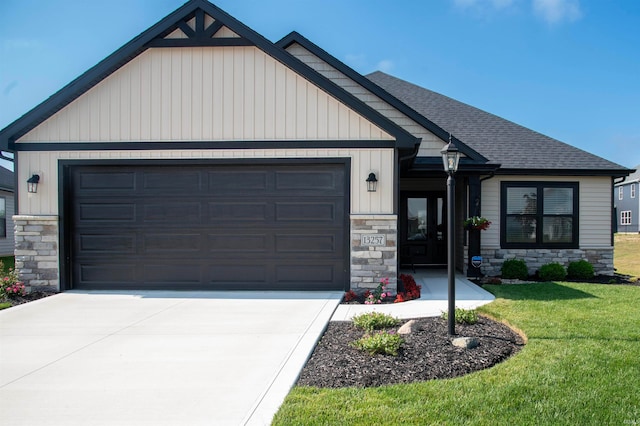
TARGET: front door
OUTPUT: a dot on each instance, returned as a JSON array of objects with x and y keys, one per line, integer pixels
[{"x": 423, "y": 239}]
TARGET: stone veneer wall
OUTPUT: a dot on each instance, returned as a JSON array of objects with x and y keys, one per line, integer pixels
[
  {"x": 369, "y": 264},
  {"x": 36, "y": 251},
  {"x": 492, "y": 259}
]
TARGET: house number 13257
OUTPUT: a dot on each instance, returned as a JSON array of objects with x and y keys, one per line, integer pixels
[{"x": 373, "y": 240}]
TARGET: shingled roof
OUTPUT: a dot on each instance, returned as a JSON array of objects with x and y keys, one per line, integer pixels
[
  {"x": 7, "y": 182},
  {"x": 501, "y": 141}
]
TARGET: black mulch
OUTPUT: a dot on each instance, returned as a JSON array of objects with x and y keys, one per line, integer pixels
[
  {"x": 425, "y": 355},
  {"x": 34, "y": 295}
]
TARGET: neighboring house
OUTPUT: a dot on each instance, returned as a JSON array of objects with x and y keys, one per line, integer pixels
[
  {"x": 7, "y": 184},
  {"x": 626, "y": 198},
  {"x": 202, "y": 156}
]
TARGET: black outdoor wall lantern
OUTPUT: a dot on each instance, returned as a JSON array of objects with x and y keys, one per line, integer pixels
[
  {"x": 32, "y": 184},
  {"x": 372, "y": 183}
]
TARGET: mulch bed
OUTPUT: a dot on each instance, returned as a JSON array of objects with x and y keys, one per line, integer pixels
[
  {"x": 34, "y": 295},
  {"x": 426, "y": 354}
]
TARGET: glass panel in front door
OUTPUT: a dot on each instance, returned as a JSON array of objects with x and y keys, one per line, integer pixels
[{"x": 424, "y": 241}]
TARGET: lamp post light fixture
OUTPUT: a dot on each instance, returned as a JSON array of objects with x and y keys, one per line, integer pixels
[
  {"x": 32, "y": 184},
  {"x": 450, "y": 160},
  {"x": 372, "y": 183}
]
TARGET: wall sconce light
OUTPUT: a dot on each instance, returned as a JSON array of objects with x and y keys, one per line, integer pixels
[
  {"x": 32, "y": 184},
  {"x": 372, "y": 183}
]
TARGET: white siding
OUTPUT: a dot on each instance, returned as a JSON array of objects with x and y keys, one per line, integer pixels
[
  {"x": 431, "y": 144},
  {"x": 363, "y": 161},
  {"x": 204, "y": 94},
  {"x": 594, "y": 206}
]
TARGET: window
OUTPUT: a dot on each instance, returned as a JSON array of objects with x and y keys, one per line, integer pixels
[
  {"x": 3, "y": 218},
  {"x": 539, "y": 214},
  {"x": 633, "y": 190},
  {"x": 620, "y": 192},
  {"x": 625, "y": 217}
]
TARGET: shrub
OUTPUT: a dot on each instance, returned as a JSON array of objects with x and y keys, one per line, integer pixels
[
  {"x": 552, "y": 272},
  {"x": 411, "y": 289},
  {"x": 383, "y": 342},
  {"x": 515, "y": 269},
  {"x": 372, "y": 298},
  {"x": 10, "y": 284},
  {"x": 349, "y": 296},
  {"x": 374, "y": 321},
  {"x": 463, "y": 316},
  {"x": 580, "y": 270}
]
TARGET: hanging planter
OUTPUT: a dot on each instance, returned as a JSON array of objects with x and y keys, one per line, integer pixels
[{"x": 477, "y": 222}]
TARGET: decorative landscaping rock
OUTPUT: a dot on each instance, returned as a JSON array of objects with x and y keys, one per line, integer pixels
[
  {"x": 465, "y": 342},
  {"x": 408, "y": 327}
]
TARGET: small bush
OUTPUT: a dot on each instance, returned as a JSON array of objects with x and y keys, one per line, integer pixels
[
  {"x": 10, "y": 284},
  {"x": 552, "y": 272},
  {"x": 374, "y": 321},
  {"x": 580, "y": 270},
  {"x": 515, "y": 269},
  {"x": 349, "y": 296},
  {"x": 383, "y": 342},
  {"x": 463, "y": 316}
]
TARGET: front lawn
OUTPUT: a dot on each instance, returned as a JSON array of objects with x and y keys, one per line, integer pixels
[
  {"x": 626, "y": 249},
  {"x": 580, "y": 366}
]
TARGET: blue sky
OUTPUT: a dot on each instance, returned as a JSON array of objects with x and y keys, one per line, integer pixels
[{"x": 567, "y": 68}]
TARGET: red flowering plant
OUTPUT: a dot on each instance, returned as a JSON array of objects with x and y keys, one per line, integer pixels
[
  {"x": 477, "y": 222},
  {"x": 350, "y": 295},
  {"x": 411, "y": 289},
  {"x": 10, "y": 284}
]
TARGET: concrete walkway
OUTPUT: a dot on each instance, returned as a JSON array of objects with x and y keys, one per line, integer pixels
[
  {"x": 156, "y": 358},
  {"x": 433, "y": 299},
  {"x": 174, "y": 358}
]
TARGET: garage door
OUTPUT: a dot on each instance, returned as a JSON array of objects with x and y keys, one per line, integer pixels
[{"x": 213, "y": 227}]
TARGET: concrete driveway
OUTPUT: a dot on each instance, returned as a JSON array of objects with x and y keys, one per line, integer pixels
[{"x": 156, "y": 358}]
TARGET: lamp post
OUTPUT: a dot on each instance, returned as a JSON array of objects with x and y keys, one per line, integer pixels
[{"x": 450, "y": 159}]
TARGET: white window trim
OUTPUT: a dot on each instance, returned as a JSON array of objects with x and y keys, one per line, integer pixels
[
  {"x": 633, "y": 190},
  {"x": 620, "y": 192},
  {"x": 625, "y": 217}
]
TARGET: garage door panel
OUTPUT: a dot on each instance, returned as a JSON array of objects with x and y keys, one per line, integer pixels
[
  {"x": 238, "y": 211},
  {"x": 174, "y": 243},
  {"x": 253, "y": 227},
  {"x": 106, "y": 244},
  {"x": 107, "y": 181},
  {"x": 107, "y": 272},
  {"x": 238, "y": 243},
  {"x": 163, "y": 183},
  {"x": 308, "y": 181},
  {"x": 183, "y": 212},
  {"x": 107, "y": 212},
  {"x": 306, "y": 244},
  {"x": 235, "y": 181},
  {"x": 306, "y": 212}
]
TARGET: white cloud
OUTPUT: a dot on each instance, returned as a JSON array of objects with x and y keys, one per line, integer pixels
[
  {"x": 385, "y": 65},
  {"x": 355, "y": 61},
  {"x": 555, "y": 11}
]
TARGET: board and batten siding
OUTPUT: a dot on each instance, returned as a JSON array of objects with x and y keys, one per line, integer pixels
[
  {"x": 594, "y": 205},
  {"x": 204, "y": 94},
  {"x": 430, "y": 145},
  {"x": 363, "y": 161}
]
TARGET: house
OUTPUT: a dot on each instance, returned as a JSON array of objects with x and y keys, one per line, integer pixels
[
  {"x": 201, "y": 155},
  {"x": 626, "y": 197},
  {"x": 7, "y": 186}
]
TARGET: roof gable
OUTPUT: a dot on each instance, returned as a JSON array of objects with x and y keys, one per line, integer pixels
[
  {"x": 196, "y": 23},
  {"x": 296, "y": 38}
]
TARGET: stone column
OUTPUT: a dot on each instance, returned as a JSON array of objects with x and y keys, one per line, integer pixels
[
  {"x": 36, "y": 251},
  {"x": 374, "y": 251}
]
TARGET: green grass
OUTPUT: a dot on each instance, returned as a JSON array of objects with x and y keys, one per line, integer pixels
[
  {"x": 625, "y": 254},
  {"x": 580, "y": 366}
]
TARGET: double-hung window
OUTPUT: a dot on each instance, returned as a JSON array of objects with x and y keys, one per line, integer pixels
[
  {"x": 633, "y": 190},
  {"x": 539, "y": 214},
  {"x": 625, "y": 217},
  {"x": 620, "y": 192}
]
